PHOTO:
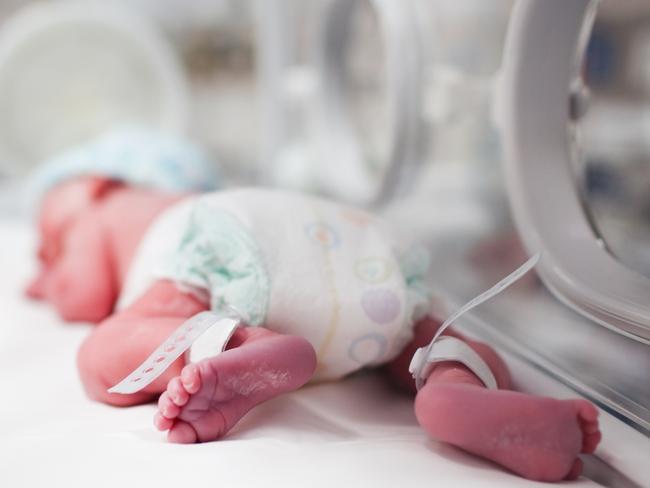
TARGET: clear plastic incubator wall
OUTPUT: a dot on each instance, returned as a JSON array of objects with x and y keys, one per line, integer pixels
[{"x": 462, "y": 121}]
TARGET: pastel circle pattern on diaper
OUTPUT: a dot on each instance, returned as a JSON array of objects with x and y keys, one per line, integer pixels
[
  {"x": 373, "y": 270},
  {"x": 322, "y": 234},
  {"x": 367, "y": 349},
  {"x": 381, "y": 305}
]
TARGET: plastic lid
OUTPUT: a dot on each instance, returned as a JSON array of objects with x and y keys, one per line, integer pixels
[{"x": 71, "y": 70}]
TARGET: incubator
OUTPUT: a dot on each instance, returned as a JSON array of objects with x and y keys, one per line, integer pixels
[
  {"x": 70, "y": 71},
  {"x": 489, "y": 130},
  {"x": 569, "y": 180},
  {"x": 403, "y": 100},
  {"x": 452, "y": 116},
  {"x": 381, "y": 89}
]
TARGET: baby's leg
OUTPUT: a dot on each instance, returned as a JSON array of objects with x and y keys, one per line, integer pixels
[
  {"x": 538, "y": 438},
  {"x": 209, "y": 397},
  {"x": 425, "y": 329},
  {"x": 121, "y": 342}
]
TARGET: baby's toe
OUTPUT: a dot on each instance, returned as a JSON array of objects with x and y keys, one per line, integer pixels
[
  {"x": 161, "y": 422},
  {"x": 177, "y": 392},
  {"x": 191, "y": 379},
  {"x": 587, "y": 412},
  {"x": 167, "y": 407},
  {"x": 575, "y": 471},
  {"x": 591, "y": 441},
  {"x": 588, "y": 419},
  {"x": 182, "y": 433}
]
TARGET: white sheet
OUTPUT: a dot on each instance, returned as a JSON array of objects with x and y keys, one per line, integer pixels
[{"x": 353, "y": 433}]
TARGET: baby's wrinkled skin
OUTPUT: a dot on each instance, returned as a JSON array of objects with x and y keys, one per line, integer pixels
[{"x": 90, "y": 228}]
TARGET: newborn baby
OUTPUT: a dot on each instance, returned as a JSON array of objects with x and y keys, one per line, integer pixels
[
  {"x": 324, "y": 291},
  {"x": 76, "y": 242}
]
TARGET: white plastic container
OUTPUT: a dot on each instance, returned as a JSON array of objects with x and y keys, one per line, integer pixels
[{"x": 70, "y": 70}]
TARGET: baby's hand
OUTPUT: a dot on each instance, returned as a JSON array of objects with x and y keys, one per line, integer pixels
[
  {"x": 74, "y": 273},
  {"x": 48, "y": 252},
  {"x": 76, "y": 279},
  {"x": 81, "y": 284}
]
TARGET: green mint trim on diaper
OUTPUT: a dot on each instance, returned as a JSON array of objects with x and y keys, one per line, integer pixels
[
  {"x": 414, "y": 264},
  {"x": 218, "y": 254}
]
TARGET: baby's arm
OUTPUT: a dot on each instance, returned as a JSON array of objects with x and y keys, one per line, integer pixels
[{"x": 81, "y": 282}]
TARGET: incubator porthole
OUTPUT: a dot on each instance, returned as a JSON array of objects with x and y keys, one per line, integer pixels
[
  {"x": 364, "y": 89},
  {"x": 548, "y": 102},
  {"x": 366, "y": 110},
  {"x": 222, "y": 61},
  {"x": 69, "y": 71},
  {"x": 613, "y": 134}
]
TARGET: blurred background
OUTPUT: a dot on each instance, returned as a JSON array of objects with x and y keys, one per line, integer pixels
[{"x": 387, "y": 104}]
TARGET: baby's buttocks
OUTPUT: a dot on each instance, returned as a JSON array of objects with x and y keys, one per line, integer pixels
[{"x": 295, "y": 264}]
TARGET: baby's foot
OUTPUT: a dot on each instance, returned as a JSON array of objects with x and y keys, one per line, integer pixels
[
  {"x": 209, "y": 397},
  {"x": 538, "y": 438}
]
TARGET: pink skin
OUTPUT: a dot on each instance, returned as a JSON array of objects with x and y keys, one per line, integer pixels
[
  {"x": 208, "y": 398},
  {"x": 88, "y": 233},
  {"x": 538, "y": 438},
  {"x": 93, "y": 231}
]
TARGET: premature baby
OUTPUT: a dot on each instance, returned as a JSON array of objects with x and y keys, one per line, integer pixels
[{"x": 324, "y": 291}]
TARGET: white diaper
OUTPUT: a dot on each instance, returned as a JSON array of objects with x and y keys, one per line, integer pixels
[{"x": 295, "y": 264}]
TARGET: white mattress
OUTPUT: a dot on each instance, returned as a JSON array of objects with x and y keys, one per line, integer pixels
[{"x": 357, "y": 432}]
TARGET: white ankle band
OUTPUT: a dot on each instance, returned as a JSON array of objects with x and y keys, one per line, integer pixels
[
  {"x": 219, "y": 327},
  {"x": 448, "y": 348},
  {"x": 438, "y": 351},
  {"x": 213, "y": 341}
]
